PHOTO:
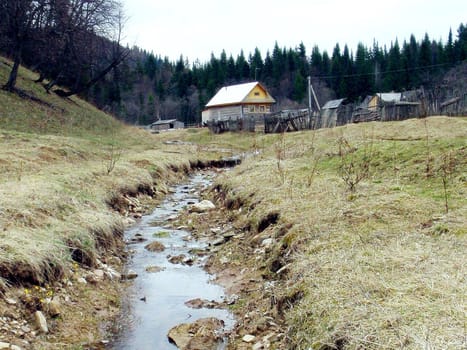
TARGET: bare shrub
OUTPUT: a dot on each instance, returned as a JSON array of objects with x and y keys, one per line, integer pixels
[
  {"x": 112, "y": 157},
  {"x": 354, "y": 166},
  {"x": 446, "y": 169}
]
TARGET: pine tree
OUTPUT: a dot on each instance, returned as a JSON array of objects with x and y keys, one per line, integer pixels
[{"x": 256, "y": 65}]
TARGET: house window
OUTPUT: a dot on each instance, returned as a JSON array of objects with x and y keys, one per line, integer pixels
[
  {"x": 252, "y": 109},
  {"x": 268, "y": 108},
  {"x": 256, "y": 93},
  {"x": 262, "y": 108}
]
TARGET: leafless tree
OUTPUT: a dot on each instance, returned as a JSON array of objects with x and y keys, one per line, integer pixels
[
  {"x": 20, "y": 19},
  {"x": 76, "y": 42}
]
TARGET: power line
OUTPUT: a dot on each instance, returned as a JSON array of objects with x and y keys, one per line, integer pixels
[{"x": 387, "y": 71}]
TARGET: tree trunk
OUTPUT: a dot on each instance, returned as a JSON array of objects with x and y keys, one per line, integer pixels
[
  {"x": 93, "y": 81},
  {"x": 10, "y": 85}
]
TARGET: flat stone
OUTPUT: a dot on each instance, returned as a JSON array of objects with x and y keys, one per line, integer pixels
[
  {"x": 41, "y": 322},
  {"x": 202, "y": 334},
  {"x": 154, "y": 269},
  {"x": 216, "y": 230},
  {"x": 267, "y": 243},
  {"x": 176, "y": 259},
  {"x": 218, "y": 241},
  {"x": 258, "y": 346},
  {"x": 9, "y": 346},
  {"x": 26, "y": 329},
  {"x": 248, "y": 338},
  {"x": 10, "y": 301},
  {"x": 99, "y": 273},
  {"x": 54, "y": 308},
  {"x": 202, "y": 207},
  {"x": 202, "y": 304},
  {"x": 81, "y": 280},
  {"x": 130, "y": 275}
]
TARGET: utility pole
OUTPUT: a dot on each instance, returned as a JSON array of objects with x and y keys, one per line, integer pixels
[{"x": 312, "y": 91}]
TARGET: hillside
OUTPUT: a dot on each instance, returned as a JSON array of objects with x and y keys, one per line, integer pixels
[
  {"x": 67, "y": 172},
  {"x": 345, "y": 238}
]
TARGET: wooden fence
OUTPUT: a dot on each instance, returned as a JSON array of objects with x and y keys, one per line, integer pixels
[
  {"x": 285, "y": 121},
  {"x": 219, "y": 126}
]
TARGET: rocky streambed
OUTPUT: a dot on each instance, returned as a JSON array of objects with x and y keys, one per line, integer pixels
[{"x": 171, "y": 301}]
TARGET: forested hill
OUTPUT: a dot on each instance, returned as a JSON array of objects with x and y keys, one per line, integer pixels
[
  {"x": 181, "y": 89},
  {"x": 59, "y": 41}
]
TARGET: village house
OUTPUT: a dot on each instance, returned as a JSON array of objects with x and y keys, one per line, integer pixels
[{"x": 237, "y": 102}]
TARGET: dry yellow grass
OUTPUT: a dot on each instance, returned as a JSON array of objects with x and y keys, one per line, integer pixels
[{"x": 383, "y": 267}]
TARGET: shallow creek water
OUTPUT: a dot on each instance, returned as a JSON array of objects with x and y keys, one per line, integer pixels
[{"x": 156, "y": 301}]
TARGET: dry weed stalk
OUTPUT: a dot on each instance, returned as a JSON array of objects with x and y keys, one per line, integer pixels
[
  {"x": 113, "y": 156},
  {"x": 429, "y": 156},
  {"x": 279, "y": 150},
  {"x": 354, "y": 168},
  {"x": 446, "y": 169},
  {"x": 314, "y": 160}
]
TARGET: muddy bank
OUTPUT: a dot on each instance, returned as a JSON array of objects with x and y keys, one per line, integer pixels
[{"x": 251, "y": 265}]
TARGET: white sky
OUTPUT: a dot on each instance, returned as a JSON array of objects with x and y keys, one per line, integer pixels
[{"x": 197, "y": 28}]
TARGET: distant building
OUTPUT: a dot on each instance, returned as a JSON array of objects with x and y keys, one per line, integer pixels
[
  {"x": 166, "y": 124},
  {"x": 395, "y": 105},
  {"x": 238, "y": 102},
  {"x": 334, "y": 113},
  {"x": 386, "y": 97}
]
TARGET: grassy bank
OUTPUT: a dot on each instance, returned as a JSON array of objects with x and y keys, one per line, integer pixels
[
  {"x": 67, "y": 174},
  {"x": 369, "y": 229}
]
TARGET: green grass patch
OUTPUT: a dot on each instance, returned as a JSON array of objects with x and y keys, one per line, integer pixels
[{"x": 161, "y": 234}]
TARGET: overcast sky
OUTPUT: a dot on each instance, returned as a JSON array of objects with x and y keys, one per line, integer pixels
[{"x": 197, "y": 28}]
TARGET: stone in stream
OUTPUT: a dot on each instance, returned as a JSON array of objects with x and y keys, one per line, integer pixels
[
  {"x": 129, "y": 275},
  {"x": 154, "y": 269},
  {"x": 155, "y": 247},
  {"x": 202, "y": 304},
  {"x": 181, "y": 259},
  {"x": 202, "y": 207},
  {"x": 202, "y": 334},
  {"x": 138, "y": 238}
]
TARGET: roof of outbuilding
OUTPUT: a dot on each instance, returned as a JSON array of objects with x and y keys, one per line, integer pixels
[
  {"x": 233, "y": 94},
  {"x": 164, "y": 121},
  {"x": 390, "y": 96},
  {"x": 333, "y": 104}
]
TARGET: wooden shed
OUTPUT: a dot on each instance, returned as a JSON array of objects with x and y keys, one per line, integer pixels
[
  {"x": 335, "y": 113},
  {"x": 238, "y": 101},
  {"x": 395, "y": 105},
  {"x": 166, "y": 124}
]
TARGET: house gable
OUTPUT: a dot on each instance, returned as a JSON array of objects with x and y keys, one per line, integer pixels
[
  {"x": 258, "y": 95},
  {"x": 240, "y": 94}
]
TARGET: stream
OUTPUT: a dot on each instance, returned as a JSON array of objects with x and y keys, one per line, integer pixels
[{"x": 156, "y": 301}]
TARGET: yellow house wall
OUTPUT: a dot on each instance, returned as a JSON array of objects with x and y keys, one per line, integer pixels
[
  {"x": 373, "y": 102},
  {"x": 260, "y": 95}
]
